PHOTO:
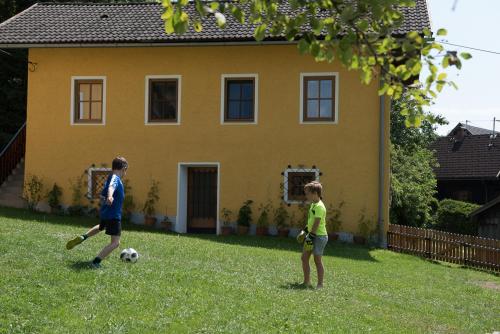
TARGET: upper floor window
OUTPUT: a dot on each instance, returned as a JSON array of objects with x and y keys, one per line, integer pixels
[
  {"x": 239, "y": 99},
  {"x": 88, "y": 100},
  {"x": 319, "y": 98},
  {"x": 162, "y": 99}
]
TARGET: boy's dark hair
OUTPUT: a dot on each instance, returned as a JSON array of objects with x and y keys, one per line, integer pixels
[
  {"x": 119, "y": 163},
  {"x": 314, "y": 187}
]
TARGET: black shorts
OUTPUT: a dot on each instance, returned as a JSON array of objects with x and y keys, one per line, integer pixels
[{"x": 112, "y": 226}]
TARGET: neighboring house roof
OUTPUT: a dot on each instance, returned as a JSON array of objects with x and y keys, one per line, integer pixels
[
  {"x": 475, "y": 157},
  {"x": 69, "y": 23},
  {"x": 485, "y": 207},
  {"x": 472, "y": 130}
]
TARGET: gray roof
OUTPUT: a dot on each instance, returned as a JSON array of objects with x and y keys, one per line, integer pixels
[
  {"x": 472, "y": 130},
  {"x": 475, "y": 157},
  {"x": 69, "y": 23},
  {"x": 485, "y": 207}
]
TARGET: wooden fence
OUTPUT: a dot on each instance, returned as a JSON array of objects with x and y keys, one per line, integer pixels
[{"x": 462, "y": 249}]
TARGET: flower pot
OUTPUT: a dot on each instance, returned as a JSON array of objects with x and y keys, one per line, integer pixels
[
  {"x": 359, "y": 240},
  {"x": 283, "y": 232},
  {"x": 333, "y": 236},
  {"x": 55, "y": 210},
  {"x": 261, "y": 230},
  {"x": 242, "y": 230},
  {"x": 167, "y": 226},
  {"x": 149, "y": 221},
  {"x": 226, "y": 230}
]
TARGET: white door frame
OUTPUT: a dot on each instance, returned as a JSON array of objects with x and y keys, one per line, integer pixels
[{"x": 182, "y": 182}]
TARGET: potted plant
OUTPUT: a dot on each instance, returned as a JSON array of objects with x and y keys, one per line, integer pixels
[
  {"x": 281, "y": 219},
  {"x": 334, "y": 223},
  {"x": 149, "y": 205},
  {"x": 263, "y": 221},
  {"x": 226, "y": 222},
  {"x": 53, "y": 197},
  {"x": 166, "y": 223},
  {"x": 244, "y": 217},
  {"x": 294, "y": 225},
  {"x": 366, "y": 229},
  {"x": 128, "y": 201}
]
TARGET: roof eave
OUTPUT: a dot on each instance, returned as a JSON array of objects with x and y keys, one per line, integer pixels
[{"x": 142, "y": 44}]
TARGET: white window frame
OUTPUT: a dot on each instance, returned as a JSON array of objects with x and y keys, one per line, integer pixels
[
  {"x": 254, "y": 76},
  {"x": 296, "y": 170},
  {"x": 72, "y": 102},
  {"x": 89, "y": 178},
  {"x": 146, "y": 98},
  {"x": 336, "y": 97}
]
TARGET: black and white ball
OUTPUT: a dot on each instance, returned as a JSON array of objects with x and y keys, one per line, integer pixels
[{"x": 129, "y": 255}]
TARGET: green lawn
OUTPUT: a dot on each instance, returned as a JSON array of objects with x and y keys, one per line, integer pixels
[{"x": 209, "y": 284}]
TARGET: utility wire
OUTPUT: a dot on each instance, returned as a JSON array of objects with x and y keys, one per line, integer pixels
[{"x": 469, "y": 47}]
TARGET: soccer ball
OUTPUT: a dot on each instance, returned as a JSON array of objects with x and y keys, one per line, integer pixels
[{"x": 129, "y": 255}]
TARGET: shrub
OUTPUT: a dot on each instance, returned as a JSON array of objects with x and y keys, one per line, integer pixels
[
  {"x": 333, "y": 217},
  {"x": 32, "y": 192},
  {"x": 453, "y": 216},
  {"x": 128, "y": 200},
  {"x": 245, "y": 214},
  {"x": 281, "y": 216},
  {"x": 54, "y": 197},
  {"x": 226, "y": 216},
  {"x": 263, "y": 220},
  {"x": 151, "y": 200},
  {"x": 366, "y": 226}
]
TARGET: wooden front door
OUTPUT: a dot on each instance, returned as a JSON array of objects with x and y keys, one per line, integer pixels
[{"x": 202, "y": 200}]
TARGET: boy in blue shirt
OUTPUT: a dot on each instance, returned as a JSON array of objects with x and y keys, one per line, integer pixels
[{"x": 112, "y": 197}]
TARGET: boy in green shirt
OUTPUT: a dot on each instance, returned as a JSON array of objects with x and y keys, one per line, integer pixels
[{"x": 316, "y": 234}]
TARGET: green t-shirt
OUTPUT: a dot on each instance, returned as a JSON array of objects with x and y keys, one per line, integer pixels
[{"x": 317, "y": 210}]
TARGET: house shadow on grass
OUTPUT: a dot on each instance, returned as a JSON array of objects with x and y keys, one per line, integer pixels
[
  {"x": 76, "y": 221},
  {"x": 332, "y": 249}
]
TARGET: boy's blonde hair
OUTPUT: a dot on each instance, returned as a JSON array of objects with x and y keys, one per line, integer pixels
[{"x": 314, "y": 187}]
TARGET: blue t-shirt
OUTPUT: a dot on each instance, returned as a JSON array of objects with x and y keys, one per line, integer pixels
[{"x": 113, "y": 211}]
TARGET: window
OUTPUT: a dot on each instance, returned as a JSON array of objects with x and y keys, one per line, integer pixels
[
  {"x": 294, "y": 182},
  {"x": 319, "y": 97},
  {"x": 96, "y": 180},
  {"x": 162, "y": 99},
  {"x": 239, "y": 99},
  {"x": 88, "y": 100}
]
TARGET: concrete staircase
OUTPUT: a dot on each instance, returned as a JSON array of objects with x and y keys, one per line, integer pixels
[{"x": 11, "y": 191}]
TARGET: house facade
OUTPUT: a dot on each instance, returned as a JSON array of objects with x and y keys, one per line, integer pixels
[
  {"x": 469, "y": 164},
  {"x": 217, "y": 119}
]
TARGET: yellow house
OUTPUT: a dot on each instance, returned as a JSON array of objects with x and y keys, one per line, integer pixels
[{"x": 215, "y": 117}]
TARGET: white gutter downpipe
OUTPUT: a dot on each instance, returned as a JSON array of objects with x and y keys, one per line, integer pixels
[{"x": 382, "y": 240}]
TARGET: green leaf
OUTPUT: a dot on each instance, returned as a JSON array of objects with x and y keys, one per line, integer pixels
[
  {"x": 221, "y": 20},
  {"x": 238, "y": 14},
  {"x": 260, "y": 32},
  {"x": 303, "y": 46},
  {"x": 198, "y": 27},
  {"x": 446, "y": 61},
  {"x": 169, "y": 26},
  {"x": 214, "y": 6},
  {"x": 442, "y": 32},
  {"x": 466, "y": 55},
  {"x": 442, "y": 76}
]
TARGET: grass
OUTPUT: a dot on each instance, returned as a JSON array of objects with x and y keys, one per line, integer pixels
[{"x": 209, "y": 284}]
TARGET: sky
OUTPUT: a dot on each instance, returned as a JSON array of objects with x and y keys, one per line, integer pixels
[{"x": 472, "y": 23}]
